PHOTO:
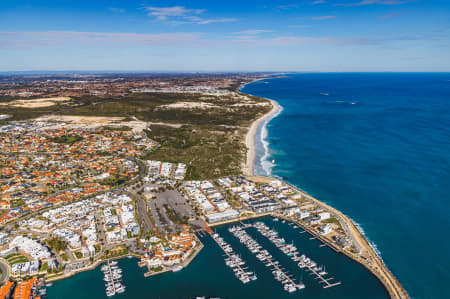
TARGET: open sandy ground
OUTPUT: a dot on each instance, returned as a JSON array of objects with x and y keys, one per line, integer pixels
[
  {"x": 36, "y": 103},
  {"x": 189, "y": 105},
  {"x": 76, "y": 121}
]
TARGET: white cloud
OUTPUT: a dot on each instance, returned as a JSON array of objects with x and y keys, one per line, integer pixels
[
  {"x": 253, "y": 32},
  {"x": 12, "y": 41},
  {"x": 178, "y": 15},
  {"x": 27, "y": 40},
  {"x": 217, "y": 20},
  {"x": 370, "y": 2},
  {"x": 319, "y": 18},
  {"x": 163, "y": 13}
]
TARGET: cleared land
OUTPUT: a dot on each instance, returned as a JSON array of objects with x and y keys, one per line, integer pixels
[{"x": 36, "y": 103}]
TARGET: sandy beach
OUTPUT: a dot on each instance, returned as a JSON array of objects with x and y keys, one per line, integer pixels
[{"x": 250, "y": 137}]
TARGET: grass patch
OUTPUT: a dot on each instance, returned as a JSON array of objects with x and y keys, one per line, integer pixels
[
  {"x": 157, "y": 269},
  {"x": 56, "y": 244},
  {"x": 67, "y": 139},
  {"x": 44, "y": 267},
  {"x": 16, "y": 259},
  {"x": 331, "y": 220},
  {"x": 207, "y": 153}
]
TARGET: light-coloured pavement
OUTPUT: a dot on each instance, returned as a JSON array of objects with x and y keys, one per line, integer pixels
[{"x": 5, "y": 271}]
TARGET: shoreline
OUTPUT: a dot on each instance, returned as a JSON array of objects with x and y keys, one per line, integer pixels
[
  {"x": 248, "y": 167},
  {"x": 378, "y": 268}
]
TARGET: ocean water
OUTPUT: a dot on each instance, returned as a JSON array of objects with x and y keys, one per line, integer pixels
[
  {"x": 208, "y": 275},
  {"x": 377, "y": 147}
]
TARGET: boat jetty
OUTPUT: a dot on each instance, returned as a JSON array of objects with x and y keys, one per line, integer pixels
[
  {"x": 264, "y": 256},
  {"x": 234, "y": 261},
  {"x": 113, "y": 278},
  {"x": 291, "y": 251}
]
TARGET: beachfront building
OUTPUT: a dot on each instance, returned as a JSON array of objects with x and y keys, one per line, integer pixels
[
  {"x": 207, "y": 197},
  {"x": 291, "y": 211},
  {"x": 324, "y": 216},
  {"x": 342, "y": 241},
  {"x": 222, "y": 216},
  {"x": 325, "y": 229}
]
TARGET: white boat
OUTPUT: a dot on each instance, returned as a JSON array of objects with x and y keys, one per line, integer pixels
[
  {"x": 111, "y": 293},
  {"x": 322, "y": 271}
]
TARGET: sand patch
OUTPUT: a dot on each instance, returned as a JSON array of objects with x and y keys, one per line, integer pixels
[
  {"x": 80, "y": 119},
  {"x": 36, "y": 103},
  {"x": 76, "y": 121},
  {"x": 189, "y": 105}
]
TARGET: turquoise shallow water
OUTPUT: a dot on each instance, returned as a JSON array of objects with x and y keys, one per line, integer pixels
[
  {"x": 377, "y": 147},
  {"x": 208, "y": 275}
]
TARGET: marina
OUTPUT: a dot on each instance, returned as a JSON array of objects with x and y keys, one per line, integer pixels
[
  {"x": 291, "y": 251},
  {"x": 234, "y": 261},
  {"x": 264, "y": 256},
  {"x": 113, "y": 278},
  {"x": 208, "y": 275}
]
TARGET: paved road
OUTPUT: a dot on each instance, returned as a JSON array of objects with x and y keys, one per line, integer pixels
[{"x": 4, "y": 269}]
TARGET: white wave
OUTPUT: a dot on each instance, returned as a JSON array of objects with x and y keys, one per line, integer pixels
[
  {"x": 371, "y": 243},
  {"x": 265, "y": 162}
]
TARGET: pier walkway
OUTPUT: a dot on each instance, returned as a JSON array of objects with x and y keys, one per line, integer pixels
[
  {"x": 312, "y": 268},
  {"x": 111, "y": 275},
  {"x": 239, "y": 271}
]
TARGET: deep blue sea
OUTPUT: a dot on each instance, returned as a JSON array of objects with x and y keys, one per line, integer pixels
[{"x": 377, "y": 147}]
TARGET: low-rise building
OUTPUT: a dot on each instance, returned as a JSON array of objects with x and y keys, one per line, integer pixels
[{"x": 222, "y": 216}]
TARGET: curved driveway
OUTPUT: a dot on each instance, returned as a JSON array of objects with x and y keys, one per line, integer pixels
[{"x": 4, "y": 271}]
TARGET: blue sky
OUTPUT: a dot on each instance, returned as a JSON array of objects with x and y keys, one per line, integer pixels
[{"x": 307, "y": 35}]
